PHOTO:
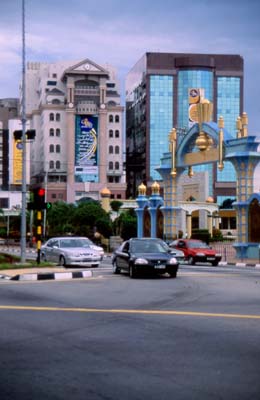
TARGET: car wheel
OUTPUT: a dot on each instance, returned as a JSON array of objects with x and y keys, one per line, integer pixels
[
  {"x": 116, "y": 270},
  {"x": 132, "y": 272},
  {"x": 173, "y": 274},
  {"x": 191, "y": 261},
  {"x": 215, "y": 263},
  {"x": 62, "y": 261}
]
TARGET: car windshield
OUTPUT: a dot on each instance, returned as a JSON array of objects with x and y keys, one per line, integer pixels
[
  {"x": 139, "y": 246},
  {"x": 197, "y": 245},
  {"x": 74, "y": 243}
]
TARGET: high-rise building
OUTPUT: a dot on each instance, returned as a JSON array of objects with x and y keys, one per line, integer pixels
[
  {"x": 75, "y": 110},
  {"x": 161, "y": 90},
  {"x": 8, "y": 110}
]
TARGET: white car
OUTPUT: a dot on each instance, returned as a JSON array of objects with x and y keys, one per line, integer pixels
[
  {"x": 93, "y": 246},
  {"x": 70, "y": 251}
]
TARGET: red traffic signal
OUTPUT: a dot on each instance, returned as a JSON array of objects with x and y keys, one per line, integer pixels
[{"x": 41, "y": 192}]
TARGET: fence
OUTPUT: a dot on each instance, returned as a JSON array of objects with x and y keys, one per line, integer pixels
[{"x": 226, "y": 250}]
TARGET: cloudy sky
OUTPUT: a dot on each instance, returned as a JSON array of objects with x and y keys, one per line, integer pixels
[{"x": 119, "y": 32}]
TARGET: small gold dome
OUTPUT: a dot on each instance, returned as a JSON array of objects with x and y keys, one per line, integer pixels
[
  {"x": 210, "y": 200},
  {"x": 142, "y": 189},
  {"x": 155, "y": 188},
  {"x": 202, "y": 141},
  {"x": 105, "y": 192}
]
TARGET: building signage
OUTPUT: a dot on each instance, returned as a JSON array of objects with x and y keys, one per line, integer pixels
[
  {"x": 195, "y": 97},
  {"x": 86, "y": 147},
  {"x": 17, "y": 162}
]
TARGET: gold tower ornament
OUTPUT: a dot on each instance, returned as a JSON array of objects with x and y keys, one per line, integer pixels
[{"x": 204, "y": 110}]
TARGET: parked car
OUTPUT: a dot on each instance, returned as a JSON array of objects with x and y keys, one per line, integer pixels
[
  {"x": 196, "y": 251},
  {"x": 70, "y": 251},
  {"x": 144, "y": 255}
]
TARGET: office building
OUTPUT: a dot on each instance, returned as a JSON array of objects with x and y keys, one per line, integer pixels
[
  {"x": 75, "y": 110},
  {"x": 161, "y": 90}
]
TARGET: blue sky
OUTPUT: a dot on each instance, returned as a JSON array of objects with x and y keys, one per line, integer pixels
[{"x": 119, "y": 33}]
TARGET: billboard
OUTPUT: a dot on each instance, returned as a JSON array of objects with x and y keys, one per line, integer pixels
[
  {"x": 17, "y": 162},
  {"x": 86, "y": 148}
]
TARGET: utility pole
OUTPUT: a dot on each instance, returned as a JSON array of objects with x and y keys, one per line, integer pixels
[{"x": 23, "y": 116}]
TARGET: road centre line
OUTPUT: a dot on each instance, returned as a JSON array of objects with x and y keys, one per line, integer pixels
[{"x": 125, "y": 311}]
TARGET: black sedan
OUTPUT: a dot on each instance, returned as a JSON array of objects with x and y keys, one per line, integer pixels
[{"x": 144, "y": 255}]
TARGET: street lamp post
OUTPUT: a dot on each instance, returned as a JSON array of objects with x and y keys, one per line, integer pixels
[{"x": 23, "y": 214}]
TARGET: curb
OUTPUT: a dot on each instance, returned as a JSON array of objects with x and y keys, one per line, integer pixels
[
  {"x": 239, "y": 264},
  {"x": 52, "y": 275}
]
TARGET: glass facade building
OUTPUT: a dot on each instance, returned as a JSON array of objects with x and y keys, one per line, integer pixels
[{"x": 157, "y": 99}]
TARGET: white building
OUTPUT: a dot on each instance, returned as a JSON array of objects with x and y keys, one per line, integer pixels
[{"x": 76, "y": 112}]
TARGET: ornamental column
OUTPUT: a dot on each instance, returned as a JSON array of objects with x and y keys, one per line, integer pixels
[
  {"x": 155, "y": 202},
  {"x": 142, "y": 202}
]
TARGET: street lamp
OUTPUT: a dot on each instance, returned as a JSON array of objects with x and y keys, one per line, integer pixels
[{"x": 23, "y": 117}]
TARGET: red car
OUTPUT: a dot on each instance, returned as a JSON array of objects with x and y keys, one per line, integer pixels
[{"x": 196, "y": 251}]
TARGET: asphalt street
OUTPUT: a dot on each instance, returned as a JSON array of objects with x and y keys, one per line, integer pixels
[{"x": 112, "y": 337}]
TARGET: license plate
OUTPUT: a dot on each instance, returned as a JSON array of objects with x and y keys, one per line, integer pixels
[
  {"x": 211, "y": 258},
  {"x": 162, "y": 266}
]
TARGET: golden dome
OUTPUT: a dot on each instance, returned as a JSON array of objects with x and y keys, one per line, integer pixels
[
  {"x": 210, "y": 200},
  {"x": 202, "y": 141},
  {"x": 105, "y": 192},
  {"x": 155, "y": 188},
  {"x": 142, "y": 189}
]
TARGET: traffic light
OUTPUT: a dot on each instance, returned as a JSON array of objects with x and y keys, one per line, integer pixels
[
  {"x": 48, "y": 206},
  {"x": 39, "y": 198},
  {"x": 37, "y": 202}
]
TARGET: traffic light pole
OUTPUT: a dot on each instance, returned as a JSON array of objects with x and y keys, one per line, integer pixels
[{"x": 23, "y": 214}]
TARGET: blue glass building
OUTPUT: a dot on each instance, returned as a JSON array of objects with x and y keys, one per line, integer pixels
[{"x": 158, "y": 93}]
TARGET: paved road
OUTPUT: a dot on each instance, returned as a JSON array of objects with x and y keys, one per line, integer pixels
[{"x": 110, "y": 337}]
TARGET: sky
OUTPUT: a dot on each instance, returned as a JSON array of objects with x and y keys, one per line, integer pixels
[{"x": 119, "y": 32}]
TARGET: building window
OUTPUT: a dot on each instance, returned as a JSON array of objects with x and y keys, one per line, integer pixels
[
  {"x": 58, "y": 132},
  {"x": 117, "y": 150},
  {"x": 110, "y": 165},
  {"x": 111, "y": 118},
  {"x": 117, "y": 118},
  {"x": 57, "y": 148},
  {"x": 111, "y": 133},
  {"x": 110, "y": 150},
  {"x": 51, "y": 148},
  {"x": 116, "y": 165},
  {"x": 117, "y": 134},
  {"x": 57, "y": 164},
  {"x": 53, "y": 195},
  {"x": 51, "y": 132},
  {"x": 58, "y": 117},
  {"x": 51, "y": 118},
  {"x": 51, "y": 164}
]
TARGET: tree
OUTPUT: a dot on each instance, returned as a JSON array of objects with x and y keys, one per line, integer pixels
[
  {"x": 59, "y": 219},
  {"x": 127, "y": 222},
  {"x": 115, "y": 205},
  {"x": 85, "y": 218}
]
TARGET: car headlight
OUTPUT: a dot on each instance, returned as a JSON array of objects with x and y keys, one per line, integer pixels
[
  {"x": 141, "y": 261},
  {"x": 218, "y": 255},
  {"x": 173, "y": 260},
  {"x": 201, "y": 254}
]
